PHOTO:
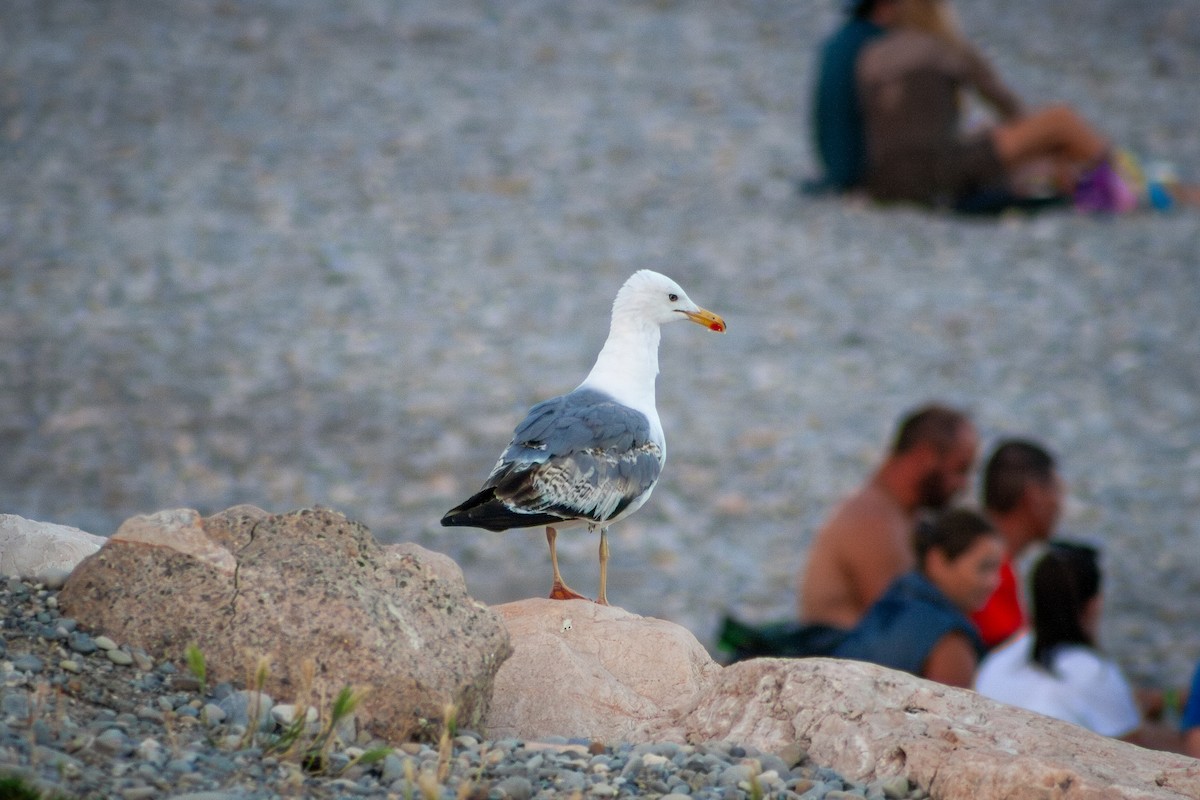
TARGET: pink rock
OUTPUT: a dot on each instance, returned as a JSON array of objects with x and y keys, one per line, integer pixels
[
  {"x": 42, "y": 551},
  {"x": 580, "y": 669},
  {"x": 312, "y": 591},
  {"x": 870, "y": 722}
]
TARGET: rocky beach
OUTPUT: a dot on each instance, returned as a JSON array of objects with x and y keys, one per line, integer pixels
[
  {"x": 296, "y": 254},
  {"x": 85, "y": 716}
]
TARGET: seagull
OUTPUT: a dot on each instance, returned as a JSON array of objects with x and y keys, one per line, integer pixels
[{"x": 590, "y": 457}]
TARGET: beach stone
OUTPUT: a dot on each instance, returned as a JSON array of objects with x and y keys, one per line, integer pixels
[
  {"x": 306, "y": 586},
  {"x": 42, "y": 551},
  {"x": 871, "y": 723},
  {"x": 580, "y": 669},
  {"x": 440, "y": 564}
]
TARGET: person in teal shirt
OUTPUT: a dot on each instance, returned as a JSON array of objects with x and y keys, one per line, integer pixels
[{"x": 837, "y": 122}]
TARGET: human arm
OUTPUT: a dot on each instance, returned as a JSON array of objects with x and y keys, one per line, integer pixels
[
  {"x": 1157, "y": 736},
  {"x": 991, "y": 88},
  {"x": 952, "y": 661},
  {"x": 1191, "y": 742}
]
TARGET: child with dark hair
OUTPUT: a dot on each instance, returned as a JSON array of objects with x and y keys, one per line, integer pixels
[
  {"x": 1058, "y": 669},
  {"x": 920, "y": 624}
]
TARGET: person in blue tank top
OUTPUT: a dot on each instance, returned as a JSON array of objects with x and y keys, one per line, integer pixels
[{"x": 920, "y": 624}]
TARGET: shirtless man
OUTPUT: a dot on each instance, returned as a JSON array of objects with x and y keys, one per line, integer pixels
[{"x": 867, "y": 543}]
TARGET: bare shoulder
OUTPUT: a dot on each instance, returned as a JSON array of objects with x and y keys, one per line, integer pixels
[{"x": 868, "y": 515}]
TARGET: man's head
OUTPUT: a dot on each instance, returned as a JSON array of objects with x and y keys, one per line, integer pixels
[
  {"x": 940, "y": 445},
  {"x": 1021, "y": 479},
  {"x": 880, "y": 12}
]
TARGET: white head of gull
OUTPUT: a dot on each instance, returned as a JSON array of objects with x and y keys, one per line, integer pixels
[{"x": 591, "y": 456}]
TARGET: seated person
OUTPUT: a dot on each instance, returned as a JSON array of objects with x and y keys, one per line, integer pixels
[
  {"x": 910, "y": 81},
  {"x": 1022, "y": 496},
  {"x": 1057, "y": 669},
  {"x": 867, "y": 541},
  {"x": 837, "y": 123},
  {"x": 920, "y": 624}
]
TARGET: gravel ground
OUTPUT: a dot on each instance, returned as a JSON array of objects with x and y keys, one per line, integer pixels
[
  {"x": 82, "y": 716},
  {"x": 296, "y": 253}
]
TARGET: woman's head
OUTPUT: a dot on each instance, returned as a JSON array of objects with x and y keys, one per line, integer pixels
[
  {"x": 1065, "y": 594},
  {"x": 961, "y": 553},
  {"x": 932, "y": 16}
]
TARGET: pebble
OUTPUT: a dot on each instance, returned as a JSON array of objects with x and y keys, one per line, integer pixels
[{"x": 119, "y": 657}]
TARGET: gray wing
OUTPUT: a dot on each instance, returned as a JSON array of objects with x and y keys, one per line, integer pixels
[{"x": 580, "y": 455}]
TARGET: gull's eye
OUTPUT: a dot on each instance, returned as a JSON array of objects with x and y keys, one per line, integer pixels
[{"x": 674, "y": 298}]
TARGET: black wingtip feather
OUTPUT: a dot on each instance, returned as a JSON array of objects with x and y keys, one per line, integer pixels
[{"x": 484, "y": 510}]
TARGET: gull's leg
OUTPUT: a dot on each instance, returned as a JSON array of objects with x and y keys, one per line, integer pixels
[
  {"x": 559, "y": 590},
  {"x": 602, "y": 599}
]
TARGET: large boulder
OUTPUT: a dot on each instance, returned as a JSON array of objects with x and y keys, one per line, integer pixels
[
  {"x": 42, "y": 551},
  {"x": 310, "y": 590},
  {"x": 869, "y": 722},
  {"x": 580, "y": 669}
]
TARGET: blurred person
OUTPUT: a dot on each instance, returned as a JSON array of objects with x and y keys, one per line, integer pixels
[
  {"x": 1022, "y": 496},
  {"x": 920, "y": 624},
  {"x": 1057, "y": 669},
  {"x": 911, "y": 81},
  {"x": 867, "y": 541},
  {"x": 837, "y": 123}
]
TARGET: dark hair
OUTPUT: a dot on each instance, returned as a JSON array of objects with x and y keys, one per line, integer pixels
[
  {"x": 860, "y": 8},
  {"x": 1012, "y": 465},
  {"x": 1064, "y": 579},
  {"x": 953, "y": 532},
  {"x": 932, "y": 424}
]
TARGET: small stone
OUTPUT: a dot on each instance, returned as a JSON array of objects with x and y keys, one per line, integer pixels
[
  {"x": 120, "y": 657},
  {"x": 149, "y": 750},
  {"x": 81, "y": 643},
  {"x": 144, "y": 662},
  {"x": 285, "y": 714},
  {"x": 27, "y": 662},
  {"x": 801, "y": 785},
  {"x": 113, "y": 742},
  {"x": 735, "y": 775},
  {"x": 43, "y": 734},
  {"x": 240, "y": 706},
  {"x": 793, "y": 754},
  {"x": 213, "y": 714},
  {"x": 69, "y": 665},
  {"x": 105, "y": 643},
  {"x": 15, "y": 705},
  {"x": 514, "y": 788},
  {"x": 895, "y": 788}
]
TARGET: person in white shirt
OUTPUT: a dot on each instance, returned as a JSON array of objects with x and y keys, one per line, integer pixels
[{"x": 1056, "y": 669}]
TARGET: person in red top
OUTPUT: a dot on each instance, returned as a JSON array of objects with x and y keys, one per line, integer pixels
[{"x": 1022, "y": 495}]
